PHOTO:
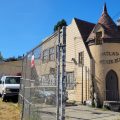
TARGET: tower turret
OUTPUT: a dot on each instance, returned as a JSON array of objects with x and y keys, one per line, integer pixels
[{"x": 104, "y": 45}]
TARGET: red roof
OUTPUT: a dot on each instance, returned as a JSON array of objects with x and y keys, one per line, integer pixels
[{"x": 111, "y": 29}]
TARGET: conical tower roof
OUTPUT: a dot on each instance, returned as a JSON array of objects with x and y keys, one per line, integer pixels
[
  {"x": 107, "y": 22},
  {"x": 111, "y": 31}
]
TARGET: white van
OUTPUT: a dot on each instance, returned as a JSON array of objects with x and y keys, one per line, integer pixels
[{"x": 9, "y": 86}]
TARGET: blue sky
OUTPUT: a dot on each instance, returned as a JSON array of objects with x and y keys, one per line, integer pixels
[{"x": 24, "y": 23}]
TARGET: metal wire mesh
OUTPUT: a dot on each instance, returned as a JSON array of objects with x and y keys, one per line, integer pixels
[
  {"x": 38, "y": 89},
  {"x": 43, "y": 80},
  {"x": 46, "y": 85}
]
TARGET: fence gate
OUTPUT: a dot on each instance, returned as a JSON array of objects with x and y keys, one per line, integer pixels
[{"x": 43, "y": 91}]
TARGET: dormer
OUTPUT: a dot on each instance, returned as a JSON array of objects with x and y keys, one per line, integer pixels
[
  {"x": 104, "y": 31},
  {"x": 98, "y": 33}
]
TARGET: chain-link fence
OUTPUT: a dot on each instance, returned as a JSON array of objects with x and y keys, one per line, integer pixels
[
  {"x": 42, "y": 91},
  {"x": 38, "y": 91},
  {"x": 49, "y": 83}
]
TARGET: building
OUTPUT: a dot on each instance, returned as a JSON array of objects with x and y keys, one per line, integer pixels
[
  {"x": 10, "y": 68},
  {"x": 45, "y": 65},
  {"x": 104, "y": 46},
  {"x": 92, "y": 59}
]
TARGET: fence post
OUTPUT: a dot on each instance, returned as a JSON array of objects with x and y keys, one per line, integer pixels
[
  {"x": 58, "y": 76},
  {"x": 63, "y": 85},
  {"x": 21, "y": 82},
  {"x": 24, "y": 83}
]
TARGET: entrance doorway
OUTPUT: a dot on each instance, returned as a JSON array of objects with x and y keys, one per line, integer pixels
[{"x": 112, "y": 93}]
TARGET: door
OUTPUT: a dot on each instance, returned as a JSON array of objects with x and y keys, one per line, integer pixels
[{"x": 112, "y": 86}]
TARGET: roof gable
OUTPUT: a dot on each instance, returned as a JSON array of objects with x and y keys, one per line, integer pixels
[
  {"x": 97, "y": 27},
  {"x": 84, "y": 28}
]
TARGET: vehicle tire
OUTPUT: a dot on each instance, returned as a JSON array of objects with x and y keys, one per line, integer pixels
[{"x": 3, "y": 97}]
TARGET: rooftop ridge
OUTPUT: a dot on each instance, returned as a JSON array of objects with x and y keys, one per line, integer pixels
[{"x": 83, "y": 20}]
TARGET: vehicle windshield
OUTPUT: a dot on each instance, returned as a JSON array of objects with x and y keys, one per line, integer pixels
[{"x": 12, "y": 80}]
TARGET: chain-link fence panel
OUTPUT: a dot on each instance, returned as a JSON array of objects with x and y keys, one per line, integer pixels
[
  {"x": 38, "y": 88},
  {"x": 43, "y": 84}
]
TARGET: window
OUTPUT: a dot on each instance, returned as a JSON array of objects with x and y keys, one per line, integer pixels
[
  {"x": 37, "y": 53},
  {"x": 51, "y": 54},
  {"x": 70, "y": 80},
  {"x": 81, "y": 58},
  {"x": 52, "y": 70},
  {"x": 12, "y": 80},
  {"x": 45, "y": 55},
  {"x": 98, "y": 38}
]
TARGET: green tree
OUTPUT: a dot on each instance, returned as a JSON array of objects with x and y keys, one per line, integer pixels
[
  {"x": 60, "y": 24},
  {"x": 19, "y": 57},
  {"x": 11, "y": 59},
  {"x": 1, "y": 57}
]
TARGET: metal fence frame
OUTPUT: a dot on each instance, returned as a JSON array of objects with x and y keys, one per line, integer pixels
[{"x": 34, "y": 104}]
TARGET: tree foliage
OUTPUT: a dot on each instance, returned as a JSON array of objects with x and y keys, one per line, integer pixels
[
  {"x": 10, "y": 58},
  {"x": 13, "y": 59},
  {"x": 60, "y": 24},
  {"x": 1, "y": 57}
]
